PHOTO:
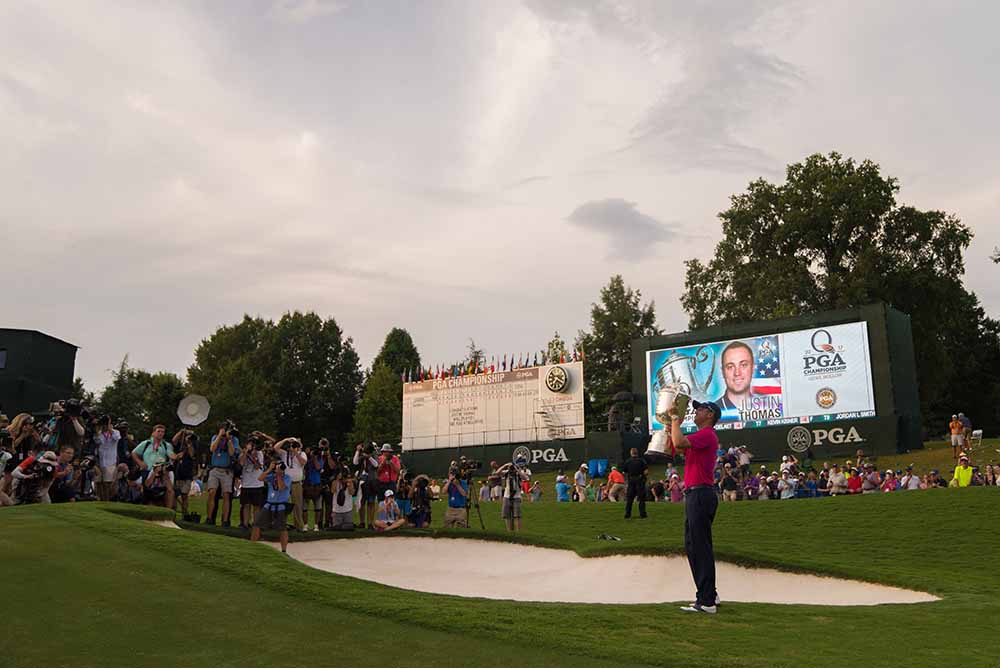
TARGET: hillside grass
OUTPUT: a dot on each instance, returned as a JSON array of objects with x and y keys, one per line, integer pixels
[{"x": 119, "y": 591}]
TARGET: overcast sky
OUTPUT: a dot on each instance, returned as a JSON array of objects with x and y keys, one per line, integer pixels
[{"x": 461, "y": 169}]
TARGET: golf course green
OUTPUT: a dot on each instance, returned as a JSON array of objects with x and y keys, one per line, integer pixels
[{"x": 94, "y": 584}]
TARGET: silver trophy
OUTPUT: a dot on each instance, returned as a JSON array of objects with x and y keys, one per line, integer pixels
[{"x": 681, "y": 370}]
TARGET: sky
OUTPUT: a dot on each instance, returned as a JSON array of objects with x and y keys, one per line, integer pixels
[{"x": 459, "y": 169}]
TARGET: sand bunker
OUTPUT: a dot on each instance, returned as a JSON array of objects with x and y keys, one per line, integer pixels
[
  {"x": 170, "y": 524},
  {"x": 465, "y": 567}
]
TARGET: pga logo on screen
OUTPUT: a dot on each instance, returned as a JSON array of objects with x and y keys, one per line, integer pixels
[
  {"x": 800, "y": 438},
  {"x": 548, "y": 455}
]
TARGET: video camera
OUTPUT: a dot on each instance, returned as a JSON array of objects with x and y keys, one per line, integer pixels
[{"x": 465, "y": 468}]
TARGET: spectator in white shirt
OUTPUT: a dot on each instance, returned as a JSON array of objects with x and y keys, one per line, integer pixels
[
  {"x": 838, "y": 481},
  {"x": 106, "y": 443}
]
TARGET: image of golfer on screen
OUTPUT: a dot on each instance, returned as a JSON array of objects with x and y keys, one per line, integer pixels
[{"x": 737, "y": 370}]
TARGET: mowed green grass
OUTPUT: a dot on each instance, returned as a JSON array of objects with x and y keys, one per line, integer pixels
[{"x": 116, "y": 591}]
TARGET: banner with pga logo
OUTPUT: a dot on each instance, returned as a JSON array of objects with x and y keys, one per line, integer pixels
[{"x": 827, "y": 370}]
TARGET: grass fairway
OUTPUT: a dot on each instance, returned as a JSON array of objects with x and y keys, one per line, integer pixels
[{"x": 94, "y": 588}]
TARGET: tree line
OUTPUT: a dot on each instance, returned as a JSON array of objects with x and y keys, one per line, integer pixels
[{"x": 831, "y": 236}]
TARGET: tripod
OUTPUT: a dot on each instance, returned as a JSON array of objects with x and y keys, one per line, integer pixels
[{"x": 472, "y": 499}]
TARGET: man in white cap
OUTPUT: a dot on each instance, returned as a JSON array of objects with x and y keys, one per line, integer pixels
[
  {"x": 957, "y": 435},
  {"x": 963, "y": 472},
  {"x": 389, "y": 515},
  {"x": 580, "y": 481},
  {"x": 31, "y": 483}
]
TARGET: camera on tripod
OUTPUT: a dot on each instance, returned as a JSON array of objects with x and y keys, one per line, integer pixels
[{"x": 465, "y": 468}]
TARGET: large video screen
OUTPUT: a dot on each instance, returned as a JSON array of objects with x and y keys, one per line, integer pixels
[{"x": 812, "y": 375}]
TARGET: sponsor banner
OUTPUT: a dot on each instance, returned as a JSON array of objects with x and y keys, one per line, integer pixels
[
  {"x": 541, "y": 403},
  {"x": 800, "y": 377}
]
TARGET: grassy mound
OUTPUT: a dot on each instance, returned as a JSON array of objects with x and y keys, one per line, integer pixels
[{"x": 117, "y": 590}]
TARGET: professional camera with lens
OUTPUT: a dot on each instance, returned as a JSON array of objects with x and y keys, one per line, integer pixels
[
  {"x": 29, "y": 489},
  {"x": 466, "y": 467},
  {"x": 72, "y": 407},
  {"x": 87, "y": 463}
]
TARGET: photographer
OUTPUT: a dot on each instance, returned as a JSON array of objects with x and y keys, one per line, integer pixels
[
  {"x": 185, "y": 443},
  {"x": 457, "y": 491},
  {"x": 295, "y": 461},
  {"x": 158, "y": 487},
  {"x": 365, "y": 460},
  {"x": 342, "y": 501},
  {"x": 106, "y": 443},
  {"x": 420, "y": 497},
  {"x": 63, "y": 489},
  {"x": 33, "y": 477},
  {"x": 388, "y": 469},
  {"x": 25, "y": 439},
  {"x": 312, "y": 483},
  {"x": 512, "y": 474},
  {"x": 67, "y": 425},
  {"x": 224, "y": 452},
  {"x": 389, "y": 517},
  {"x": 252, "y": 492},
  {"x": 152, "y": 453},
  {"x": 273, "y": 516}
]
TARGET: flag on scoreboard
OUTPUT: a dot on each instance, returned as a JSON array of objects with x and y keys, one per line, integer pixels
[{"x": 767, "y": 373}]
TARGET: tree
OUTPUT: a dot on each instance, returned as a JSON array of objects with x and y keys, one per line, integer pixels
[
  {"x": 833, "y": 236},
  {"x": 379, "y": 415},
  {"x": 86, "y": 397},
  {"x": 614, "y": 322},
  {"x": 556, "y": 349},
  {"x": 297, "y": 377},
  {"x": 996, "y": 255},
  {"x": 230, "y": 369},
  {"x": 398, "y": 352},
  {"x": 143, "y": 399},
  {"x": 474, "y": 355}
]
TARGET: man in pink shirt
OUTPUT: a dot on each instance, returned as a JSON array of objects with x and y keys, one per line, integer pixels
[{"x": 700, "y": 501}]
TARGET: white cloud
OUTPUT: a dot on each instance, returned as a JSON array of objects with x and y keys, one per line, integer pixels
[
  {"x": 302, "y": 11},
  {"x": 170, "y": 166}
]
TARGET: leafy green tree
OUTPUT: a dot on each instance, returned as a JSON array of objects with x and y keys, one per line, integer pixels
[
  {"x": 230, "y": 369},
  {"x": 398, "y": 352},
  {"x": 297, "y": 377},
  {"x": 555, "y": 349},
  {"x": 833, "y": 236},
  {"x": 142, "y": 398},
  {"x": 379, "y": 415},
  {"x": 316, "y": 376},
  {"x": 86, "y": 397},
  {"x": 615, "y": 321}
]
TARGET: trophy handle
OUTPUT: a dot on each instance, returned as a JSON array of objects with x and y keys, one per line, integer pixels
[{"x": 700, "y": 356}]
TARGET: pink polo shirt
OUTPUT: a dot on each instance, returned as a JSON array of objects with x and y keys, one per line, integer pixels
[{"x": 699, "y": 459}]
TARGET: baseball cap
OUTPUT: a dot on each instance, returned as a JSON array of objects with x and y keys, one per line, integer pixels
[
  {"x": 388, "y": 493},
  {"x": 710, "y": 405},
  {"x": 784, "y": 458},
  {"x": 953, "y": 417}
]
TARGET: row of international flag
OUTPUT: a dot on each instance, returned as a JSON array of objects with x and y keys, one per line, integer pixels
[{"x": 472, "y": 368}]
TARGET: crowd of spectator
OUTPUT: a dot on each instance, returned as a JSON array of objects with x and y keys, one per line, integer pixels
[
  {"x": 281, "y": 484},
  {"x": 737, "y": 480},
  {"x": 74, "y": 456}
]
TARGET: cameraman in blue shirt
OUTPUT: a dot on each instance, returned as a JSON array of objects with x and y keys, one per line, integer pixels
[
  {"x": 273, "y": 515},
  {"x": 458, "y": 494}
]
